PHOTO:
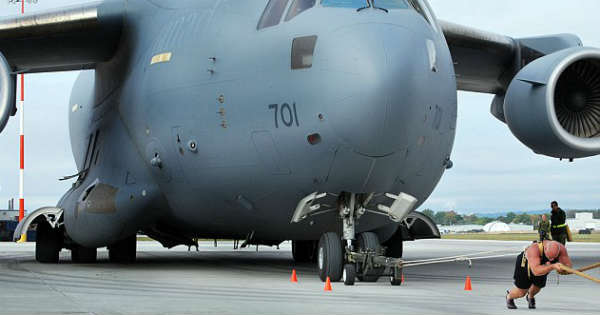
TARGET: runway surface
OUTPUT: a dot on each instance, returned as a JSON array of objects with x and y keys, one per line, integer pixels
[{"x": 223, "y": 281}]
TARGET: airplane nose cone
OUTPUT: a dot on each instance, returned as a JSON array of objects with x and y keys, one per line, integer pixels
[{"x": 374, "y": 74}]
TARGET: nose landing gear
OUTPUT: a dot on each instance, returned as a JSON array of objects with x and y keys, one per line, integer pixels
[{"x": 354, "y": 256}]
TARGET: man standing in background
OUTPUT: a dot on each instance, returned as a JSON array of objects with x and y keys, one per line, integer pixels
[
  {"x": 544, "y": 228},
  {"x": 558, "y": 223}
]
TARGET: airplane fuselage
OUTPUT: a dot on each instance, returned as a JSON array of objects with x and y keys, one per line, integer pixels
[{"x": 200, "y": 124}]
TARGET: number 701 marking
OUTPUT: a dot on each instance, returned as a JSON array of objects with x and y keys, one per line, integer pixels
[{"x": 286, "y": 113}]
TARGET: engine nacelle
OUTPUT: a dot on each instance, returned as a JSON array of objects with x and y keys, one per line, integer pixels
[
  {"x": 553, "y": 104},
  {"x": 7, "y": 92}
]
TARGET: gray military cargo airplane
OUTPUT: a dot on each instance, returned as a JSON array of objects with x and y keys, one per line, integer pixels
[{"x": 324, "y": 122}]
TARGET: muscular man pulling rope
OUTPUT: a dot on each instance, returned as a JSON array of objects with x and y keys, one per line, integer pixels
[{"x": 532, "y": 268}]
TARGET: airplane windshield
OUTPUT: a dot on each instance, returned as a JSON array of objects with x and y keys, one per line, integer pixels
[{"x": 387, "y": 4}]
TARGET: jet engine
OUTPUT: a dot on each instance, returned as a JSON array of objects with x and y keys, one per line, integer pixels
[
  {"x": 553, "y": 104},
  {"x": 7, "y": 92}
]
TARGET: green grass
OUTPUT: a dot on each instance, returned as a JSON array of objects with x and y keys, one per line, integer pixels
[{"x": 515, "y": 237}]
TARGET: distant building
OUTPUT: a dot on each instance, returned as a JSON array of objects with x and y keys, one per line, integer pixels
[
  {"x": 521, "y": 227},
  {"x": 9, "y": 215},
  {"x": 466, "y": 228},
  {"x": 582, "y": 221},
  {"x": 496, "y": 226}
]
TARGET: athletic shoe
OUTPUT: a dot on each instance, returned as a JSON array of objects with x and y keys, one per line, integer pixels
[
  {"x": 510, "y": 303},
  {"x": 531, "y": 301}
]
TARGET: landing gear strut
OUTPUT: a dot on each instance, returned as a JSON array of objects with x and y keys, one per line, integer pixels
[
  {"x": 356, "y": 256},
  {"x": 334, "y": 255}
]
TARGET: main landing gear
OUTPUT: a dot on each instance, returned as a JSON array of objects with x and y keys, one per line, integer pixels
[
  {"x": 124, "y": 251},
  {"x": 353, "y": 256},
  {"x": 83, "y": 255},
  {"x": 48, "y": 243}
]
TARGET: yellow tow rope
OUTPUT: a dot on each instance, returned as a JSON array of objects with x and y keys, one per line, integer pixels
[{"x": 580, "y": 271}]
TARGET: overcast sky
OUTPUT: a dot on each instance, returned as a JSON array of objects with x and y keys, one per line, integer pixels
[{"x": 492, "y": 170}]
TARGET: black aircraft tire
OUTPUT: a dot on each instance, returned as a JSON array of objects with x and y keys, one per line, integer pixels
[
  {"x": 48, "y": 244},
  {"x": 303, "y": 251},
  {"x": 349, "y": 275},
  {"x": 330, "y": 258},
  {"x": 369, "y": 241},
  {"x": 124, "y": 251},
  {"x": 83, "y": 255}
]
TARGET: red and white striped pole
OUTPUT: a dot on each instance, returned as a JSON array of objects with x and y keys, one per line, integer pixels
[
  {"x": 22, "y": 141},
  {"x": 22, "y": 150}
]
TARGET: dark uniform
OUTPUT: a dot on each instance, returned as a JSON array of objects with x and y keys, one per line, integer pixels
[
  {"x": 559, "y": 226},
  {"x": 524, "y": 277}
]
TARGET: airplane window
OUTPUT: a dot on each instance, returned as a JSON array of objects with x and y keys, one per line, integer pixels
[
  {"x": 272, "y": 14},
  {"x": 388, "y": 4},
  {"x": 303, "y": 49},
  {"x": 299, "y": 6}
]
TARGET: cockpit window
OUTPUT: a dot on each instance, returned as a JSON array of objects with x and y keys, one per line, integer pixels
[
  {"x": 387, "y": 4},
  {"x": 272, "y": 14},
  {"x": 299, "y": 6}
]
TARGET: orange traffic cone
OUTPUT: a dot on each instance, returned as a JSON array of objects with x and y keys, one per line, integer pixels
[
  {"x": 328, "y": 285},
  {"x": 468, "y": 284},
  {"x": 402, "y": 278},
  {"x": 294, "y": 278}
]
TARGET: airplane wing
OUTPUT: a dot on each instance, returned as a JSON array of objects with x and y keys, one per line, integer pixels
[
  {"x": 546, "y": 88},
  {"x": 71, "y": 38},
  {"x": 487, "y": 62}
]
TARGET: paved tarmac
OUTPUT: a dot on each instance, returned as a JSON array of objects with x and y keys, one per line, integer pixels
[{"x": 223, "y": 281}]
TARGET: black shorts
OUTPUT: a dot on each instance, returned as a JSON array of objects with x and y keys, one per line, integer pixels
[{"x": 524, "y": 279}]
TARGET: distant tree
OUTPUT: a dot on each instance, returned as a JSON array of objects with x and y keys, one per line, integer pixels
[
  {"x": 503, "y": 219},
  {"x": 459, "y": 219},
  {"x": 470, "y": 219},
  {"x": 483, "y": 221},
  {"x": 510, "y": 217},
  {"x": 451, "y": 217},
  {"x": 429, "y": 213},
  {"x": 522, "y": 218},
  {"x": 440, "y": 217},
  {"x": 534, "y": 219}
]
